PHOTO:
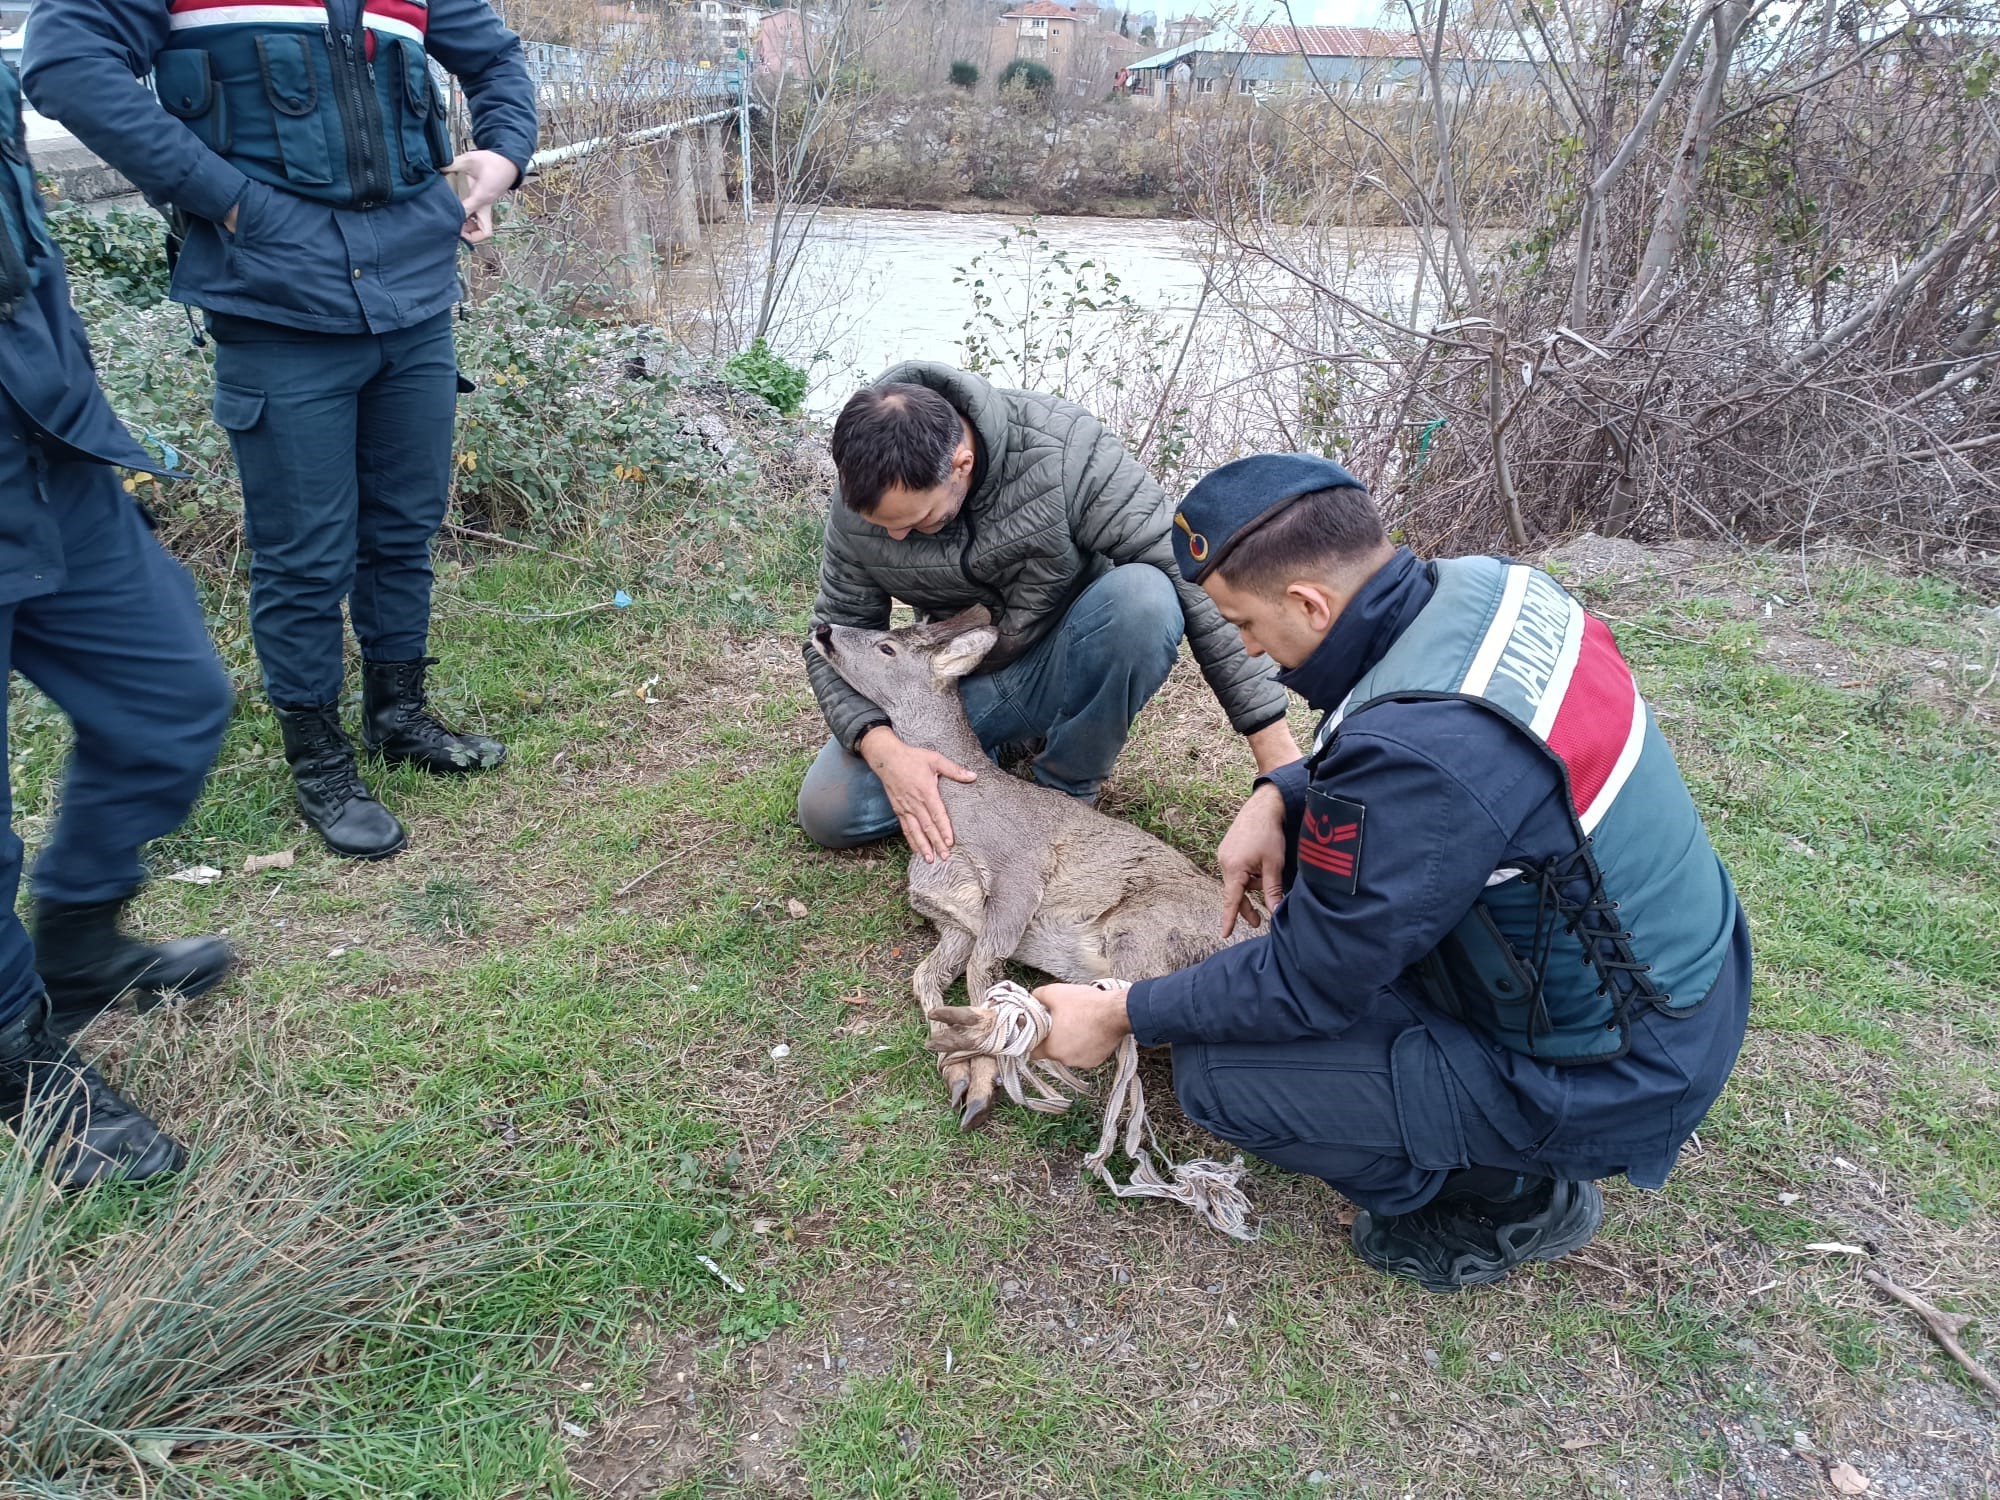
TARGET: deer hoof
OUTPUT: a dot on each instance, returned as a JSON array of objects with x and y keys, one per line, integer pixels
[
  {"x": 978, "y": 1110},
  {"x": 960, "y": 1081}
]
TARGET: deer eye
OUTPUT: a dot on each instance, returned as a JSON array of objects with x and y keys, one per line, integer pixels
[{"x": 886, "y": 649}]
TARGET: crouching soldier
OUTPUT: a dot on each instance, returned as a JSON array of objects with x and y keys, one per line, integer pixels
[
  {"x": 1503, "y": 959},
  {"x": 96, "y": 614},
  {"x": 303, "y": 147}
]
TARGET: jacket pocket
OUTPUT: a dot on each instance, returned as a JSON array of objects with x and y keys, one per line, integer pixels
[
  {"x": 418, "y": 115},
  {"x": 291, "y": 88},
  {"x": 185, "y": 83}
]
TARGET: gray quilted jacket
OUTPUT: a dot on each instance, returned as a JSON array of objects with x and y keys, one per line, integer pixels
[{"x": 1062, "y": 503}]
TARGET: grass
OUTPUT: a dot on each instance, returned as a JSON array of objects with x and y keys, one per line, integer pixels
[{"x": 515, "y": 1017}]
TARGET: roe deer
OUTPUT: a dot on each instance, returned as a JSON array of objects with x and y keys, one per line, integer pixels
[{"x": 1033, "y": 874}]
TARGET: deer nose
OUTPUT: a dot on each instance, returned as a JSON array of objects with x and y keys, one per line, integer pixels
[{"x": 823, "y": 638}]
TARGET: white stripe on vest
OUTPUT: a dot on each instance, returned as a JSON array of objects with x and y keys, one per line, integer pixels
[
  {"x": 249, "y": 15},
  {"x": 392, "y": 27}
]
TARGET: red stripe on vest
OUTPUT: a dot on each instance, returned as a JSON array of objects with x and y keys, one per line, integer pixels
[
  {"x": 400, "y": 10},
  {"x": 1595, "y": 719}
]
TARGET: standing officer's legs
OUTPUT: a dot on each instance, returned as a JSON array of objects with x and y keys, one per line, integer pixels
[
  {"x": 1375, "y": 1113},
  {"x": 123, "y": 651},
  {"x": 403, "y": 462},
  {"x": 121, "y": 648},
  {"x": 291, "y": 403},
  {"x": 1077, "y": 693}
]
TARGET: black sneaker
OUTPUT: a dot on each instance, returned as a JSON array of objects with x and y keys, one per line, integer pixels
[
  {"x": 398, "y": 725},
  {"x": 1460, "y": 1240}
]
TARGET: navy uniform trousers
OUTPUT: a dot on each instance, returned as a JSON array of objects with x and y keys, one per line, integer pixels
[
  {"x": 343, "y": 442},
  {"x": 120, "y": 646},
  {"x": 1402, "y": 1097}
]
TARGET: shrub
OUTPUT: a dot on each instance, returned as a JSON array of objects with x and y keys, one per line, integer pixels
[
  {"x": 119, "y": 257},
  {"x": 555, "y": 438},
  {"x": 963, "y": 75},
  {"x": 1028, "y": 76},
  {"x": 769, "y": 375}
]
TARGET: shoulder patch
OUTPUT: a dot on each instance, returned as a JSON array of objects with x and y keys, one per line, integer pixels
[{"x": 1330, "y": 844}]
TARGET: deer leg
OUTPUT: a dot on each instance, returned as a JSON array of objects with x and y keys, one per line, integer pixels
[
  {"x": 933, "y": 977},
  {"x": 943, "y": 965},
  {"x": 1009, "y": 909}
]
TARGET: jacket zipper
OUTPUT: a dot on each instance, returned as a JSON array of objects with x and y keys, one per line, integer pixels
[{"x": 352, "y": 76}]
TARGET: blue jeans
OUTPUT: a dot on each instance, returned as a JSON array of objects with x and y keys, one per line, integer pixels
[
  {"x": 1075, "y": 693},
  {"x": 343, "y": 442},
  {"x": 122, "y": 649}
]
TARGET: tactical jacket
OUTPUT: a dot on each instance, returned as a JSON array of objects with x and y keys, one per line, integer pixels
[
  {"x": 1061, "y": 503},
  {"x": 1417, "y": 812},
  {"x": 52, "y": 411},
  {"x": 316, "y": 120}
]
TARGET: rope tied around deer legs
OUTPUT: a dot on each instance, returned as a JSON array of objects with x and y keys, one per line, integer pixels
[{"x": 1017, "y": 1024}]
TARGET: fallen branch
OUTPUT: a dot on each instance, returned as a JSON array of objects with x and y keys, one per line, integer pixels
[
  {"x": 507, "y": 541},
  {"x": 1944, "y": 1327},
  {"x": 640, "y": 879}
]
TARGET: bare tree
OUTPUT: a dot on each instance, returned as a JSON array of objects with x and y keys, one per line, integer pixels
[{"x": 1732, "y": 268}]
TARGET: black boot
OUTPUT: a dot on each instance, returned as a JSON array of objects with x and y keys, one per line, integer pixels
[
  {"x": 1469, "y": 1238},
  {"x": 86, "y": 1130},
  {"x": 86, "y": 963},
  {"x": 330, "y": 792},
  {"x": 398, "y": 725}
]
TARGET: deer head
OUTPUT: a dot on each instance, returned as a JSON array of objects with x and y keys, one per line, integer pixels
[{"x": 910, "y": 673}]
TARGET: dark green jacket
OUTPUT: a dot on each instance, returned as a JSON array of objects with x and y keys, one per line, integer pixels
[{"x": 1061, "y": 504}]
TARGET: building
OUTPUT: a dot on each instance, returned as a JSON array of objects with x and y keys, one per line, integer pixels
[
  {"x": 1079, "y": 44},
  {"x": 725, "y": 27},
  {"x": 1349, "y": 65},
  {"x": 791, "y": 45}
]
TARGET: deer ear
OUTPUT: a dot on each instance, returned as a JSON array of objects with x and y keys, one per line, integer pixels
[{"x": 963, "y": 652}]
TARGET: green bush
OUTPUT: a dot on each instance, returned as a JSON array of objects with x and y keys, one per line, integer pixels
[
  {"x": 963, "y": 75},
  {"x": 1028, "y": 75},
  {"x": 769, "y": 375},
  {"x": 555, "y": 438},
  {"x": 118, "y": 258}
]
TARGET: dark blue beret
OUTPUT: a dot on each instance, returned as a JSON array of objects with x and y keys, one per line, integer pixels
[{"x": 1233, "y": 501}]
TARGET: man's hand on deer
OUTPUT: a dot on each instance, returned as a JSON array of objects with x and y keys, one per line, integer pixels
[
  {"x": 1252, "y": 857},
  {"x": 909, "y": 774}
]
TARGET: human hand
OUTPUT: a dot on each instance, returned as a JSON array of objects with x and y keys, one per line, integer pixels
[
  {"x": 909, "y": 774},
  {"x": 229, "y": 219},
  {"x": 489, "y": 177},
  {"x": 1086, "y": 1024},
  {"x": 1252, "y": 856}
]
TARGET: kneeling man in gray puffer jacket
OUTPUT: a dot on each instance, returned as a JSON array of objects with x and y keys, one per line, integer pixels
[{"x": 953, "y": 493}]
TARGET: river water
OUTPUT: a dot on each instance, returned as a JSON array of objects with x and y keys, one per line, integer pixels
[{"x": 873, "y": 287}]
